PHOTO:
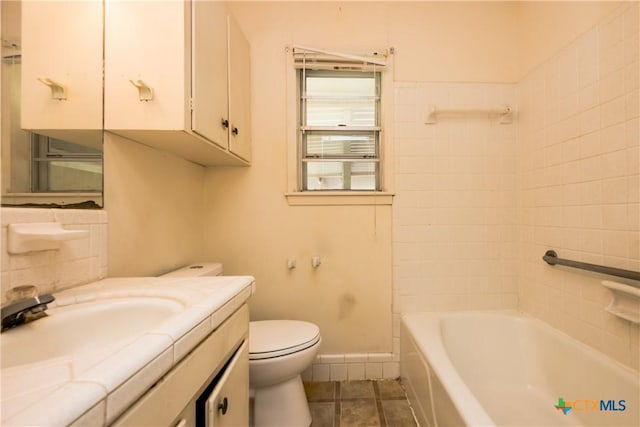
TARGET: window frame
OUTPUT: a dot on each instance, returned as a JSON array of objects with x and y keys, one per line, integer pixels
[
  {"x": 347, "y": 160},
  {"x": 292, "y": 193}
]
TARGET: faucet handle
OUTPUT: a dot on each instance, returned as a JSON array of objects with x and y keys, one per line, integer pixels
[
  {"x": 21, "y": 292},
  {"x": 25, "y": 310},
  {"x": 45, "y": 299}
]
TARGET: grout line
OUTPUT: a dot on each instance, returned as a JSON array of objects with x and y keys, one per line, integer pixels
[
  {"x": 337, "y": 401},
  {"x": 376, "y": 392},
  {"x": 337, "y": 405},
  {"x": 358, "y": 399}
]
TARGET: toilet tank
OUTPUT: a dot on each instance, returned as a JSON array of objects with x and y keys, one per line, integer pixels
[{"x": 197, "y": 270}]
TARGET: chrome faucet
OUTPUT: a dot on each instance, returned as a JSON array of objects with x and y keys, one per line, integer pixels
[{"x": 25, "y": 310}]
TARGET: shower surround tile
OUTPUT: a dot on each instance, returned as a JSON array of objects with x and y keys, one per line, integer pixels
[
  {"x": 478, "y": 203},
  {"x": 454, "y": 211},
  {"x": 599, "y": 176}
]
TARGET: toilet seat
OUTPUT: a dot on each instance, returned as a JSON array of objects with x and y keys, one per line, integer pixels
[{"x": 274, "y": 338}]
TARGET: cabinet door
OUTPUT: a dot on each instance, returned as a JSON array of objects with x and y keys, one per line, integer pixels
[
  {"x": 228, "y": 404},
  {"x": 145, "y": 44},
  {"x": 239, "y": 92},
  {"x": 210, "y": 112},
  {"x": 61, "y": 44}
]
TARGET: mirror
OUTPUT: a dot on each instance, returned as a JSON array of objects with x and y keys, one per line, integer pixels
[{"x": 52, "y": 103}]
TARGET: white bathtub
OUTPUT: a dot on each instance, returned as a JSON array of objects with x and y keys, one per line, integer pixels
[{"x": 509, "y": 369}]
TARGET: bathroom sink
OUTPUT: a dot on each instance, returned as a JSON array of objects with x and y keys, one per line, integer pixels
[{"x": 87, "y": 328}]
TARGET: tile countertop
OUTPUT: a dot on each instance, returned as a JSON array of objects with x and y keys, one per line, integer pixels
[{"x": 76, "y": 390}]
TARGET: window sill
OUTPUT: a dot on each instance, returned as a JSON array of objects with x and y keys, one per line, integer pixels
[
  {"x": 339, "y": 198},
  {"x": 49, "y": 199}
]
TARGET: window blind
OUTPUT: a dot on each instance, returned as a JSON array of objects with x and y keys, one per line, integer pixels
[
  {"x": 339, "y": 118},
  {"x": 320, "y": 59}
]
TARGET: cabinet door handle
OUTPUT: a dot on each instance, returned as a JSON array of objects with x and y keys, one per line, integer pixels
[
  {"x": 58, "y": 91},
  {"x": 234, "y": 131},
  {"x": 222, "y": 407},
  {"x": 181, "y": 423},
  {"x": 225, "y": 123},
  {"x": 145, "y": 93}
]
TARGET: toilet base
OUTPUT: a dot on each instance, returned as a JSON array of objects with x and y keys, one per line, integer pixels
[{"x": 281, "y": 405}]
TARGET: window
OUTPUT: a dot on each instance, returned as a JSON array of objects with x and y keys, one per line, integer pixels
[
  {"x": 339, "y": 130},
  {"x": 62, "y": 166},
  {"x": 337, "y": 139}
]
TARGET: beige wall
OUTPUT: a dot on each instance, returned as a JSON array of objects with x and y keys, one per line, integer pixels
[
  {"x": 453, "y": 41},
  {"x": 544, "y": 27},
  {"x": 247, "y": 222},
  {"x": 154, "y": 202},
  {"x": 434, "y": 41},
  {"x": 249, "y": 225},
  {"x": 252, "y": 230}
]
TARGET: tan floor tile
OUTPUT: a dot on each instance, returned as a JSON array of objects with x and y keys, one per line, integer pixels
[
  {"x": 323, "y": 414},
  {"x": 359, "y": 413},
  {"x": 356, "y": 390},
  {"x": 397, "y": 413},
  {"x": 319, "y": 391},
  {"x": 390, "y": 390},
  {"x": 358, "y": 406}
]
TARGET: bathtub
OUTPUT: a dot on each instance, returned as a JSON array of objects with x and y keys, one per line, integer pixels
[{"x": 509, "y": 369}]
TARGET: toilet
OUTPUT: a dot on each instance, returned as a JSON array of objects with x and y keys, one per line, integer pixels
[{"x": 279, "y": 351}]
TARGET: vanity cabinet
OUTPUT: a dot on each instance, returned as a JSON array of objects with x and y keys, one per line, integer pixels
[
  {"x": 61, "y": 70},
  {"x": 209, "y": 387},
  {"x": 177, "y": 77}
]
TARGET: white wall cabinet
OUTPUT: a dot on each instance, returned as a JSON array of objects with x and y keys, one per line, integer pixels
[
  {"x": 239, "y": 92},
  {"x": 173, "y": 72},
  {"x": 62, "y": 70}
]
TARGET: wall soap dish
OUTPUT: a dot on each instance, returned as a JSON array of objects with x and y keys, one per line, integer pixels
[
  {"x": 39, "y": 236},
  {"x": 625, "y": 302}
]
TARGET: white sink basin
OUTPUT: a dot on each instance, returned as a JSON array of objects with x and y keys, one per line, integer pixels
[{"x": 91, "y": 327}]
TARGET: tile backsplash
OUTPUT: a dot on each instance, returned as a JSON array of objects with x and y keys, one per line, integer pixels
[{"x": 77, "y": 261}]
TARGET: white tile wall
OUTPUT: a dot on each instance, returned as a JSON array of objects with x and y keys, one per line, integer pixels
[
  {"x": 478, "y": 203},
  {"x": 579, "y": 175},
  {"x": 77, "y": 262},
  {"x": 454, "y": 218},
  {"x": 454, "y": 210},
  {"x": 353, "y": 366}
]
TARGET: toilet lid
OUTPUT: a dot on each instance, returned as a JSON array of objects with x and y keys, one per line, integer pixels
[{"x": 273, "y": 338}]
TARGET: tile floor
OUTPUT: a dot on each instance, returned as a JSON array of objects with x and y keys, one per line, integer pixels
[{"x": 380, "y": 403}]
